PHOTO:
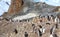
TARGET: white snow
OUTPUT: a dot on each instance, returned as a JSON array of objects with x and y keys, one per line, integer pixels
[
  {"x": 50, "y": 2},
  {"x": 53, "y": 2},
  {"x": 27, "y": 16},
  {"x": 25, "y": 9},
  {"x": 4, "y": 6}
]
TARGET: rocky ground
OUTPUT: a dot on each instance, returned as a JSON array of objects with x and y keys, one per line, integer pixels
[
  {"x": 35, "y": 27},
  {"x": 44, "y": 23}
]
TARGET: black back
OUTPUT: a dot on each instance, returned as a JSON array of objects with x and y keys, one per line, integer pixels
[{"x": 40, "y": 33}]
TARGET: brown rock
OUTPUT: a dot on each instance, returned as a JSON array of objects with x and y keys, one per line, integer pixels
[
  {"x": 57, "y": 9},
  {"x": 15, "y": 7}
]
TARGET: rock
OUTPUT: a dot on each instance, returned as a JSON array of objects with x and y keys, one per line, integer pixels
[
  {"x": 57, "y": 9},
  {"x": 15, "y": 7}
]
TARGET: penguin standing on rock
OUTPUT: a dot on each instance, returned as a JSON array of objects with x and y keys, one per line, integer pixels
[
  {"x": 56, "y": 20},
  {"x": 52, "y": 32},
  {"x": 42, "y": 29},
  {"x": 48, "y": 18},
  {"x": 40, "y": 33}
]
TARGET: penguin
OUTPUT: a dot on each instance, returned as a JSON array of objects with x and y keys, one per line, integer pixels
[
  {"x": 40, "y": 33},
  {"x": 48, "y": 18},
  {"x": 26, "y": 34},
  {"x": 56, "y": 26},
  {"x": 15, "y": 31},
  {"x": 56, "y": 19},
  {"x": 42, "y": 29},
  {"x": 52, "y": 30},
  {"x": 33, "y": 25},
  {"x": 53, "y": 35}
]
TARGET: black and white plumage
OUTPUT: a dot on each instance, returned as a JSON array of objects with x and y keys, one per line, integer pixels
[
  {"x": 42, "y": 29},
  {"x": 40, "y": 33},
  {"x": 15, "y": 31},
  {"x": 56, "y": 19},
  {"x": 56, "y": 25},
  {"x": 52, "y": 32},
  {"x": 53, "y": 35},
  {"x": 48, "y": 18},
  {"x": 26, "y": 34}
]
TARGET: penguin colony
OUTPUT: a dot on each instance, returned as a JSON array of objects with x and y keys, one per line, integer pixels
[{"x": 40, "y": 26}]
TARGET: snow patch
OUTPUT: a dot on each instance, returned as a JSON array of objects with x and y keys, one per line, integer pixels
[{"x": 27, "y": 16}]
